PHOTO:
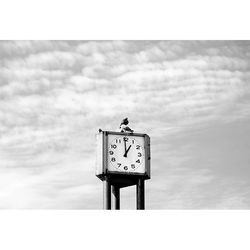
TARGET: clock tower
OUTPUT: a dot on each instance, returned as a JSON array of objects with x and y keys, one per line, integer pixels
[{"x": 123, "y": 159}]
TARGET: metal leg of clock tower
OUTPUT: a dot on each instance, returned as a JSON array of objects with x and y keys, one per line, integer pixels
[
  {"x": 106, "y": 194},
  {"x": 140, "y": 194},
  {"x": 116, "y": 193}
]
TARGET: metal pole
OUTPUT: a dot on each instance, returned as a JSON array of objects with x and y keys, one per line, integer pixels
[
  {"x": 116, "y": 193},
  {"x": 140, "y": 194},
  {"x": 106, "y": 194}
]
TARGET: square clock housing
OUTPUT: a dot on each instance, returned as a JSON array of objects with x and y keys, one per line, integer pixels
[{"x": 123, "y": 154}]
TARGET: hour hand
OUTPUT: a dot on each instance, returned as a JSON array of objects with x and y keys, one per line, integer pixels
[{"x": 126, "y": 152}]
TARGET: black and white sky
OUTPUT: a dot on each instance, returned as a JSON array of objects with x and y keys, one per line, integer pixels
[{"x": 191, "y": 97}]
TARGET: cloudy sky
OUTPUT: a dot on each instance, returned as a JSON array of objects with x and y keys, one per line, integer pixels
[{"x": 191, "y": 97}]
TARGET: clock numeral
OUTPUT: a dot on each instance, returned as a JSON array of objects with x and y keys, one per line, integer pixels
[
  {"x": 125, "y": 167},
  {"x": 113, "y": 146},
  {"x": 119, "y": 164},
  {"x": 116, "y": 140},
  {"x": 120, "y": 141},
  {"x": 138, "y": 146},
  {"x": 138, "y": 161},
  {"x": 133, "y": 141},
  {"x": 125, "y": 138},
  {"x": 139, "y": 154},
  {"x": 133, "y": 166},
  {"x": 113, "y": 159},
  {"x": 111, "y": 152}
]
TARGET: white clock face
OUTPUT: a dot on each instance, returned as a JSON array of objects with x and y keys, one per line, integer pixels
[{"x": 126, "y": 154}]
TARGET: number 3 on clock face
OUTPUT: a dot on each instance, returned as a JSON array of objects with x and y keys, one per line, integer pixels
[{"x": 126, "y": 154}]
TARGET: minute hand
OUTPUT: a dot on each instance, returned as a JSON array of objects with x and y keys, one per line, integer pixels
[{"x": 126, "y": 152}]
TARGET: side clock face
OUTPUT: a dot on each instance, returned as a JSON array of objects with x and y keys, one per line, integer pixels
[{"x": 126, "y": 154}]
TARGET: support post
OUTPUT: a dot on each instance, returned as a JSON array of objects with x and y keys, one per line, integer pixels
[
  {"x": 106, "y": 194},
  {"x": 116, "y": 193},
  {"x": 140, "y": 194}
]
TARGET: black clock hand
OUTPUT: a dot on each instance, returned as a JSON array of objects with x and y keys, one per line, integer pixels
[
  {"x": 126, "y": 152},
  {"x": 125, "y": 147}
]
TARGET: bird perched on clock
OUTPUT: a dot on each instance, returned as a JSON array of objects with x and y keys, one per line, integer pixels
[{"x": 124, "y": 128}]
